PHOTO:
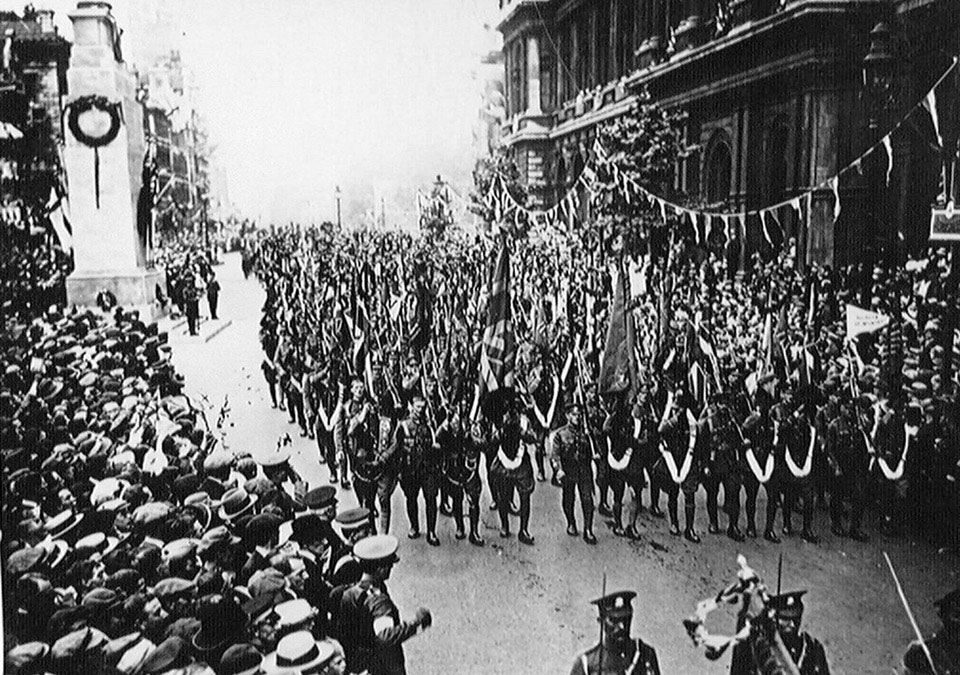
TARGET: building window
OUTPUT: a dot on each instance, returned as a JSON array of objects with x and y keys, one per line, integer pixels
[
  {"x": 718, "y": 170},
  {"x": 548, "y": 82}
]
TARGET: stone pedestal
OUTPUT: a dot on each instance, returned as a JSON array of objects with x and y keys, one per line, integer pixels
[{"x": 105, "y": 182}]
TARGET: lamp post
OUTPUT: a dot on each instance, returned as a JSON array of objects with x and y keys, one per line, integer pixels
[{"x": 337, "y": 192}]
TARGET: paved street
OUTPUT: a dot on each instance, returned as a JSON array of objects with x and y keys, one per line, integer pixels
[{"x": 509, "y": 608}]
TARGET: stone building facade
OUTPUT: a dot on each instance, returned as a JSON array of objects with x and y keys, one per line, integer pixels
[{"x": 775, "y": 96}]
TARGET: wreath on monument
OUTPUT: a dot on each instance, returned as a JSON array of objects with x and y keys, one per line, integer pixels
[
  {"x": 86, "y": 104},
  {"x": 97, "y": 136}
]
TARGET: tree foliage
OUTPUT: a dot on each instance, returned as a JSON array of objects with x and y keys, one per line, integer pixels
[{"x": 645, "y": 145}]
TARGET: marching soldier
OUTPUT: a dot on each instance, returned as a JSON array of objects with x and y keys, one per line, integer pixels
[
  {"x": 847, "y": 455},
  {"x": 461, "y": 468},
  {"x": 511, "y": 469},
  {"x": 617, "y": 653},
  {"x": 800, "y": 443},
  {"x": 676, "y": 470},
  {"x": 722, "y": 467},
  {"x": 420, "y": 468},
  {"x": 571, "y": 461},
  {"x": 624, "y": 468}
]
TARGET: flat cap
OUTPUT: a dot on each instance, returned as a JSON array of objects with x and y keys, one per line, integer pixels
[{"x": 172, "y": 587}]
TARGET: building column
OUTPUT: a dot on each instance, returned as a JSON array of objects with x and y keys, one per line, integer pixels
[{"x": 533, "y": 76}]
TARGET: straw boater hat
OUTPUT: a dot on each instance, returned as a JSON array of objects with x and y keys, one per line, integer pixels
[{"x": 297, "y": 652}]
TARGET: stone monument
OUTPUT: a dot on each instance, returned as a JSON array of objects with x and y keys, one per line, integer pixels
[{"x": 104, "y": 165}]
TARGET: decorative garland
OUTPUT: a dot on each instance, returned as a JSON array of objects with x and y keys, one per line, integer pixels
[{"x": 85, "y": 104}]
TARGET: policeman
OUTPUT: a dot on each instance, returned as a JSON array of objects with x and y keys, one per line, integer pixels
[
  {"x": 944, "y": 647},
  {"x": 807, "y": 652},
  {"x": 368, "y": 622},
  {"x": 617, "y": 652},
  {"x": 571, "y": 462}
]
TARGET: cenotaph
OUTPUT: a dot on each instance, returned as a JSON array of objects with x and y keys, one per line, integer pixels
[{"x": 104, "y": 165}]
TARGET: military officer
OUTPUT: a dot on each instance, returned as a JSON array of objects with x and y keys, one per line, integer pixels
[
  {"x": 571, "y": 462},
  {"x": 617, "y": 652}
]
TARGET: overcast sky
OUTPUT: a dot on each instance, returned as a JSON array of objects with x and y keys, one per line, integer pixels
[{"x": 302, "y": 95}]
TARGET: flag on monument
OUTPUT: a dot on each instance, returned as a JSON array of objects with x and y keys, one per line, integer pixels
[
  {"x": 498, "y": 348},
  {"x": 618, "y": 368},
  {"x": 864, "y": 321}
]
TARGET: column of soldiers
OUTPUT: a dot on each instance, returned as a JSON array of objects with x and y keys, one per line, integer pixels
[{"x": 799, "y": 425}]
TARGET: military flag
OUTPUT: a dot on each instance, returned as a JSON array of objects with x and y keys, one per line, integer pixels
[
  {"x": 498, "y": 350},
  {"x": 618, "y": 367}
]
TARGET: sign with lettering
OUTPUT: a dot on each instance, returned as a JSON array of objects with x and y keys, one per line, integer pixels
[{"x": 944, "y": 222}]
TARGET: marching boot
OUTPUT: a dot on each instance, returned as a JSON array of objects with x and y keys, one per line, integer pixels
[
  {"x": 674, "y": 519},
  {"x": 689, "y": 533},
  {"x": 771, "y": 536},
  {"x": 713, "y": 528},
  {"x": 752, "y": 531},
  {"x": 618, "y": 525},
  {"x": 476, "y": 539},
  {"x": 734, "y": 533},
  {"x": 589, "y": 537},
  {"x": 432, "y": 539},
  {"x": 809, "y": 537},
  {"x": 525, "y": 538},
  {"x": 572, "y": 529},
  {"x": 604, "y": 510}
]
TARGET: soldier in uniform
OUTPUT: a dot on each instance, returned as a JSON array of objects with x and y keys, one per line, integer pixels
[
  {"x": 356, "y": 428},
  {"x": 677, "y": 468},
  {"x": 617, "y": 653},
  {"x": 623, "y": 457},
  {"x": 759, "y": 465},
  {"x": 571, "y": 461},
  {"x": 847, "y": 456},
  {"x": 511, "y": 469},
  {"x": 944, "y": 647},
  {"x": 461, "y": 469},
  {"x": 368, "y": 622},
  {"x": 806, "y": 651},
  {"x": 800, "y": 444},
  {"x": 723, "y": 468},
  {"x": 420, "y": 468}
]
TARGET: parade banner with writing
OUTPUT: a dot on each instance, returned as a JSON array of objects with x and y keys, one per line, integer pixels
[{"x": 864, "y": 321}]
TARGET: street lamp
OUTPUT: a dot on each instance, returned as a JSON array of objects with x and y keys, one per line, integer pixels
[{"x": 337, "y": 192}]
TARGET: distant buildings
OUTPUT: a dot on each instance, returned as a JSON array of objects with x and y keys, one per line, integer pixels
[
  {"x": 776, "y": 96},
  {"x": 33, "y": 91}
]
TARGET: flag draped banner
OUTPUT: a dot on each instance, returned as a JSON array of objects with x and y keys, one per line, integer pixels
[
  {"x": 498, "y": 348},
  {"x": 618, "y": 368}
]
